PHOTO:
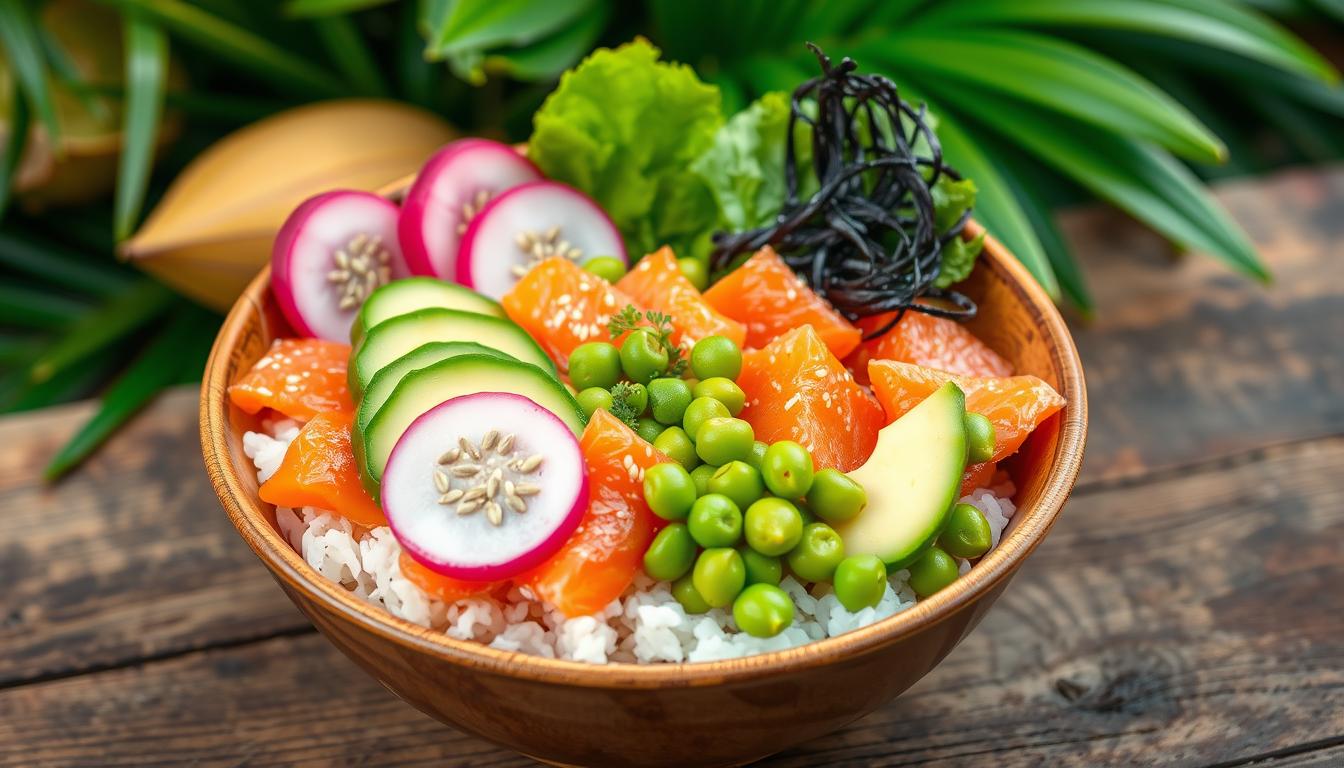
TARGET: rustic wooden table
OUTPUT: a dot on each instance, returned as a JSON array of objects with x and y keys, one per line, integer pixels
[{"x": 1188, "y": 608}]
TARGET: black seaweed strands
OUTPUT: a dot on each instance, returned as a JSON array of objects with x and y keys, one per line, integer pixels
[{"x": 867, "y": 239}]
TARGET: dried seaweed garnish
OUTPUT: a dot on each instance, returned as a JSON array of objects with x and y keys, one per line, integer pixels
[{"x": 867, "y": 239}]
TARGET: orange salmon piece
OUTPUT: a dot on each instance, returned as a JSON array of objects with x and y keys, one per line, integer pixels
[
  {"x": 797, "y": 390},
  {"x": 445, "y": 588},
  {"x": 932, "y": 342},
  {"x": 606, "y": 552},
  {"x": 1016, "y": 405},
  {"x": 319, "y": 470},
  {"x": 562, "y": 305},
  {"x": 297, "y": 377},
  {"x": 766, "y": 296},
  {"x": 656, "y": 282}
]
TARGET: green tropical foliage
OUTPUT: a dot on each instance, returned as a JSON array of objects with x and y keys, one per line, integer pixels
[{"x": 1042, "y": 102}]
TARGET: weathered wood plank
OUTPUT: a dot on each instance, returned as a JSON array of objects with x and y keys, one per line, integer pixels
[
  {"x": 128, "y": 558},
  {"x": 1186, "y": 360},
  {"x": 1187, "y": 620}
]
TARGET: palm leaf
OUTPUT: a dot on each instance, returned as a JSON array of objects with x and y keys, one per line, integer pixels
[
  {"x": 1147, "y": 183},
  {"x": 19, "y": 38},
  {"x": 146, "y": 71},
  {"x": 1213, "y": 23},
  {"x": 474, "y": 25},
  {"x": 1055, "y": 75},
  {"x": 58, "y": 266},
  {"x": 235, "y": 44},
  {"x": 302, "y": 8},
  {"x": 547, "y": 58},
  {"x": 124, "y": 313},
  {"x": 995, "y": 207},
  {"x": 161, "y": 363},
  {"x": 347, "y": 49},
  {"x": 1023, "y": 179},
  {"x": 35, "y": 308},
  {"x": 13, "y": 150}
]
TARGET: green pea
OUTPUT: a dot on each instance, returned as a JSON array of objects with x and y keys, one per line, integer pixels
[
  {"x": 763, "y": 610},
  {"x": 761, "y": 569},
  {"x": 700, "y": 410},
  {"x": 818, "y": 553},
  {"x": 595, "y": 364},
  {"x": 648, "y": 429},
  {"x": 715, "y": 521},
  {"x": 671, "y": 554},
  {"x": 930, "y": 573},
  {"x": 677, "y": 446},
  {"x": 757, "y": 457},
  {"x": 719, "y": 575},
  {"x": 700, "y": 476},
  {"x": 738, "y": 481},
  {"x": 773, "y": 526},
  {"x": 979, "y": 438},
  {"x": 695, "y": 271},
  {"x": 860, "y": 581},
  {"x": 669, "y": 490},
  {"x": 835, "y": 496},
  {"x": 608, "y": 268},
  {"x": 683, "y": 590},
  {"x": 721, "y": 440},
  {"x": 637, "y": 395},
  {"x": 594, "y": 399},
  {"x": 787, "y": 469},
  {"x": 642, "y": 357},
  {"x": 716, "y": 356},
  {"x": 725, "y": 391},
  {"x": 967, "y": 533},
  {"x": 668, "y": 399}
]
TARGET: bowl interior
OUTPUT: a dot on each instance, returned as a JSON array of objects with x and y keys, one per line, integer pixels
[{"x": 1016, "y": 318}]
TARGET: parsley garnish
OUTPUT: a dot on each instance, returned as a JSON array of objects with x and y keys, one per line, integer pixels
[
  {"x": 657, "y": 323},
  {"x": 620, "y": 404}
]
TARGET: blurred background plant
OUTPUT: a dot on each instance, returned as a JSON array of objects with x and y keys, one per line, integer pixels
[{"x": 1043, "y": 102}]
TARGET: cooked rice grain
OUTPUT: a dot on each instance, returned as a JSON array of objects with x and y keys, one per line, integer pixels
[{"x": 645, "y": 625}]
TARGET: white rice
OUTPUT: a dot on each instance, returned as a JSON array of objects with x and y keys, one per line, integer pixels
[{"x": 644, "y": 625}]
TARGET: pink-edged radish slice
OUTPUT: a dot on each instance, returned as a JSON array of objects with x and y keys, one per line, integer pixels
[
  {"x": 485, "y": 486},
  {"x": 330, "y": 254},
  {"x": 449, "y": 191},
  {"x": 528, "y": 224}
]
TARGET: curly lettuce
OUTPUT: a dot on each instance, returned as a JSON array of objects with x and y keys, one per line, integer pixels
[{"x": 625, "y": 128}]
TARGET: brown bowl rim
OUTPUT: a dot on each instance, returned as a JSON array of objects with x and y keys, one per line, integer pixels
[{"x": 247, "y": 516}]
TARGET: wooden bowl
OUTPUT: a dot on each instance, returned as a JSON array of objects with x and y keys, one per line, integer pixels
[{"x": 716, "y": 713}]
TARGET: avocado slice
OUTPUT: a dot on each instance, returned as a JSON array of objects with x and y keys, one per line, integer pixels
[
  {"x": 422, "y": 389},
  {"x": 386, "y": 380},
  {"x": 912, "y": 480},
  {"x": 407, "y": 295},
  {"x": 394, "y": 337}
]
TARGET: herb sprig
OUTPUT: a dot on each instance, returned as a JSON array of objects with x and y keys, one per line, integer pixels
[
  {"x": 621, "y": 408},
  {"x": 657, "y": 323}
]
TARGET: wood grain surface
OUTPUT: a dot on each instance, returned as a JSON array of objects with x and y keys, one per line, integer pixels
[{"x": 1186, "y": 609}]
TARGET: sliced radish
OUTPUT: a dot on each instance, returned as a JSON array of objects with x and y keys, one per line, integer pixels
[
  {"x": 530, "y": 223},
  {"x": 451, "y": 188},
  {"x": 485, "y": 486},
  {"x": 330, "y": 254}
]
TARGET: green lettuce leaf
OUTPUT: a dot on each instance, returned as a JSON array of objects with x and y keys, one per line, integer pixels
[
  {"x": 624, "y": 128},
  {"x": 744, "y": 168},
  {"x": 951, "y": 199}
]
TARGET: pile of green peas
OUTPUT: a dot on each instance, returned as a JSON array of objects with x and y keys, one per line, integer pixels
[{"x": 741, "y": 511}]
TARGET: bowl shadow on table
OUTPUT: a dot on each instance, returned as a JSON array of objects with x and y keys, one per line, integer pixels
[{"x": 728, "y": 712}]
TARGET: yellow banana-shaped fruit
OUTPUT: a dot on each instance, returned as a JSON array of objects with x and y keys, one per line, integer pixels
[{"x": 213, "y": 229}]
